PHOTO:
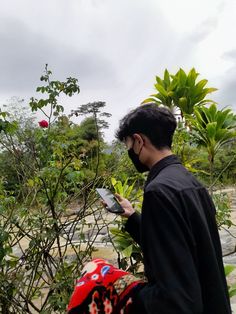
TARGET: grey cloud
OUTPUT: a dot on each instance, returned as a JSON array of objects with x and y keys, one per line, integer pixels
[
  {"x": 203, "y": 30},
  {"x": 221, "y": 6},
  {"x": 114, "y": 48},
  {"x": 230, "y": 55},
  {"x": 226, "y": 96},
  {"x": 24, "y": 53},
  {"x": 188, "y": 44}
]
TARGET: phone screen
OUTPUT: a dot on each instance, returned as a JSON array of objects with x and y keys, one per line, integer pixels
[{"x": 109, "y": 198}]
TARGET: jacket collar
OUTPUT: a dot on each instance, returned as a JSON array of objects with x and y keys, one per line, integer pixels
[{"x": 161, "y": 164}]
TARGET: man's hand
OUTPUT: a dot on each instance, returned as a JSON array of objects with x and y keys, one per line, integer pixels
[{"x": 129, "y": 210}]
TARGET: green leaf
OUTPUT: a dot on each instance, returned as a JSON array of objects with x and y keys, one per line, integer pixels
[
  {"x": 170, "y": 94},
  {"x": 30, "y": 183},
  {"x": 183, "y": 104},
  {"x": 211, "y": 130},
  {"x": 161, "y": 89},
  {"x": 149, "y": 100},
  {"x": 159, "y": 80},
  {"x": 229, "y": 269},
  {"x": 201, "y": 84},
  {"x": 128, "y": 251},
  {"x": 212, "y": 111},
  {"x": 113, "y": 181},
  {"x": 232, "y": 292},
  {"x": 210, "y": 90},
  {"x": 192, "y": 76},
  {"x": 3, "y": 114},
  {"x": 182, "y": 77},
  {"x": 166, "y": 78}
]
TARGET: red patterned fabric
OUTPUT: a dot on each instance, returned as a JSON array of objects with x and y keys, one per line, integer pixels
[{"x": 103, "y": 289}]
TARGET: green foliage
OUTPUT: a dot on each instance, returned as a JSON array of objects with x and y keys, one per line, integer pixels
[
  {"x": 92, "y": 129},
  {"x": 20, "y": 112},
  {"x": 223, "y": 210},
  {"x": 183, "y": 147},
  {"x": 226, "y": 157},
  {"x": 131, "y": 252},
  {"x": 232, "y": 288},
  {"x": 224, "y": 170},
  {"x": 124, "y": 242},
  {"x": 39, "y": 259},
  {"x": 180, "y": 91},
  {"x": 128, "y": 189},
  {"x": 53, "y": 89},
  {"x": 94, "y": 109},
  {"x": 123, "y": 189},
  {"x": 5, "y": 125},
  {"x": 214, "y": 128},
  {"x": 87, "y": 130}
]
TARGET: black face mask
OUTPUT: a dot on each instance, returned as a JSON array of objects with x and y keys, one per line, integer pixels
[{"x": 137, "y": 163}]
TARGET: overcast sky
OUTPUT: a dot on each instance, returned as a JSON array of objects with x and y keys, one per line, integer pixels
[{"x": 115, "y": 48}]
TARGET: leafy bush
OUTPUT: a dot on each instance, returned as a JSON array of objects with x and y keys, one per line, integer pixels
[
  {"x": 42, "y": 246},
  {"x": 223, "y": 210}
]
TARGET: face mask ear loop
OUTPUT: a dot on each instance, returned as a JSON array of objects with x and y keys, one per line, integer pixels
[{"x": 141, "y": 149}]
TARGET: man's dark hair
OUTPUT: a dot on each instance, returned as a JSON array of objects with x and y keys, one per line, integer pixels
[{"x": 157, "y": 123}]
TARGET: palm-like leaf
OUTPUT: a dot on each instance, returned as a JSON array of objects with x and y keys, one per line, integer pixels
[
  {"x": 213, "y": 128},
  {"x": 181, "y": 91}
]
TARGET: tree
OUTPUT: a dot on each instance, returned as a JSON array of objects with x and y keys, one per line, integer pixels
[
  {"x": 213, "y": 129},
  {"x": 87, "y": 129},
  {"x": 94, "y": 109},
  {"x": 180, "y": 91}
]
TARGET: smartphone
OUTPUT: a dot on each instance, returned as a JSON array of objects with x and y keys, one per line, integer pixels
[{"x": 112, "y": 204}]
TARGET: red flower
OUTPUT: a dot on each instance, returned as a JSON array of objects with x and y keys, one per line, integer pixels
[{"x": 43, "y": 124}]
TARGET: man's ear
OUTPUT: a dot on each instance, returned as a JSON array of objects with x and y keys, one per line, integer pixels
[
  {"x": 138, "y": 137},
  {"x": 138, "y": 141}
]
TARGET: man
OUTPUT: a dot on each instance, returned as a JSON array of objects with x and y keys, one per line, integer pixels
[{"x": 177, "y": 229}]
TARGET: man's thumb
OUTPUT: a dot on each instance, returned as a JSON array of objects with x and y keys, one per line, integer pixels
[{"x": 119, "y": 198}]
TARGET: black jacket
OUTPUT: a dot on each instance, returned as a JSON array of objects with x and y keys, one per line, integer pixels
[{"x": 179, "y": 238}]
